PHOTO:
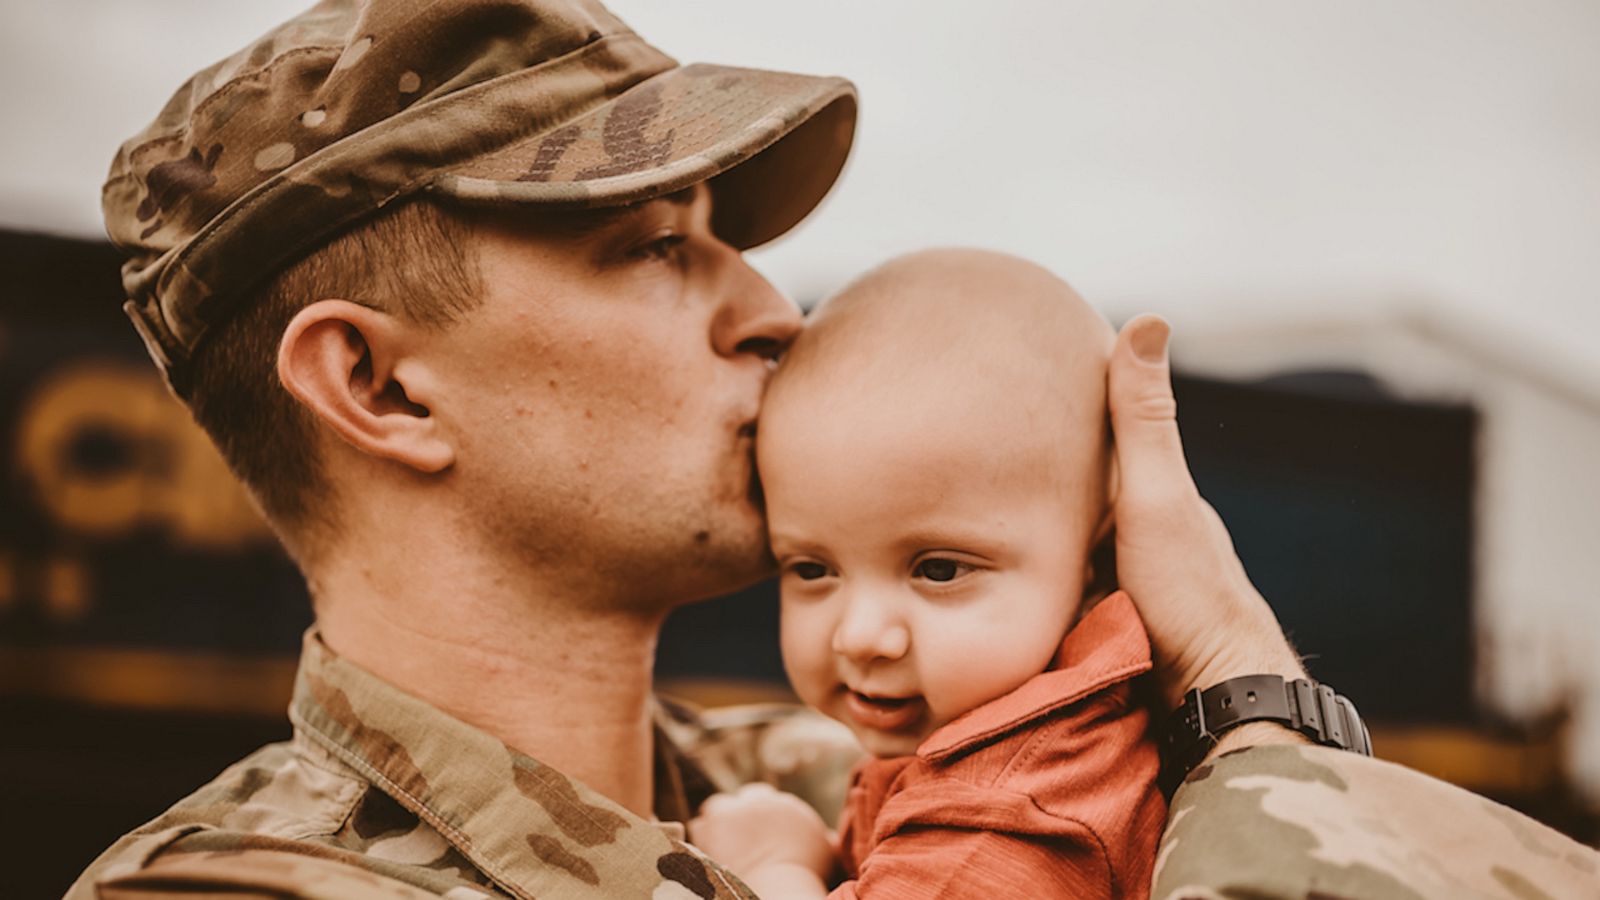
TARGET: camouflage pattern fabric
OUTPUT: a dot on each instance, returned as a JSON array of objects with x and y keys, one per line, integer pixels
[
  {"x": 354, "y": 104},
  {"x": 1314, "y": 822},
  {"x": 789, "y": 747},
  {"x": 379, "y": 794}
]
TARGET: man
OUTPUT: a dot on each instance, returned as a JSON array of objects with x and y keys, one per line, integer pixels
[{"x": 456, "y": 288}]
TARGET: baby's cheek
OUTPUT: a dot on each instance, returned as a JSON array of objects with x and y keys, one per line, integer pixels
[
  {"x": 985, "y": 665},
  {"x": 962, "y": 681},
  {"x": 805, "y": 642}
]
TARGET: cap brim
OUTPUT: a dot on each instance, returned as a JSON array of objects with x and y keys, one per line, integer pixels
[{"x": 775, "y": 143}]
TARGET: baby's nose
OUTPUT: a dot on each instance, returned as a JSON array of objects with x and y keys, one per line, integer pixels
[{"x": 869, "y": 631}]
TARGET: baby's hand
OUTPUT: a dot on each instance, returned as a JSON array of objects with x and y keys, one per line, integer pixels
[{"x": 772, "y": 840}]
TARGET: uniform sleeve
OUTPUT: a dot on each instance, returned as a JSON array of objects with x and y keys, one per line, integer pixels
[
  {"x": 1290, "y": 821},
  {"x": 788, "y": 746}
]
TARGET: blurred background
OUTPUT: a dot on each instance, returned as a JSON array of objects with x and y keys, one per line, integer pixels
[{"x": 1373, "y": 225}]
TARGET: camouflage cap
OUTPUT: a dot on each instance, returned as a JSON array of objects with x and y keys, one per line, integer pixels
[{"x": 355, "y": 104}]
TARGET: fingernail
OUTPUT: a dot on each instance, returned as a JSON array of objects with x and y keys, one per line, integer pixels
[{"x": 1150, "y": 341}]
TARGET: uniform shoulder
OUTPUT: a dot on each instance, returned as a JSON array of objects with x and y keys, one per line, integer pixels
[
  {"x": 281, "y": 791},
  {"x": 256, "y": 873}
]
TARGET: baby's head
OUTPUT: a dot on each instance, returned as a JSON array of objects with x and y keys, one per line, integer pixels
[{"x": 935, "y": 458}]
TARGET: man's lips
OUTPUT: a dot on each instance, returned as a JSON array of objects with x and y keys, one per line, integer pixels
[{"x": 884, "y": 713}]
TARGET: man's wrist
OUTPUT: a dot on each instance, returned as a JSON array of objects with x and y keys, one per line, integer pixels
[
  {"x": 1254, "y": 734},
  {"x": 1280, "y": 660},
  {"x": 1252, "y": 710}
]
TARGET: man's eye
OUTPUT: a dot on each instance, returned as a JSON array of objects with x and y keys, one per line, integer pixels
[
  {"x": 809, "y": 571},
  {"x": 660, "y": 248},
  {"x": 937, "y": 569}
]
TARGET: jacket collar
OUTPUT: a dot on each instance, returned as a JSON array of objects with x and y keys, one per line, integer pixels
[
  {"x": 1107, "y": 646},
  {"x": 534, "y": 831}
]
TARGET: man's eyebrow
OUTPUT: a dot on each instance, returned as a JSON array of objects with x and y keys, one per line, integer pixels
[{"x": 583, "y": 223}]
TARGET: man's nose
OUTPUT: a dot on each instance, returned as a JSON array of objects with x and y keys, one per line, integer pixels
[
  {"x": 755, "y": 318},
  {"x": 870, "y": 629}
]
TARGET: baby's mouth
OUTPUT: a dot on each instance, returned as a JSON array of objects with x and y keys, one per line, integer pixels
[{"x": 884, "y": 713}]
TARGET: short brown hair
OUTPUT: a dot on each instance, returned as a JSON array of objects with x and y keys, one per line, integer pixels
[{"x": 415, "y": 260}]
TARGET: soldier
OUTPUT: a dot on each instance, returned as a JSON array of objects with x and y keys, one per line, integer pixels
[{"x": 456, "y": 288}]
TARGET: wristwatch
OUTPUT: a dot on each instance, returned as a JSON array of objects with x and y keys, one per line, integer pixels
[{"x": 1313, "y": 709}]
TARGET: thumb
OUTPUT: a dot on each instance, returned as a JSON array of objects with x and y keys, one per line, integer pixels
[{"x": 1144, "y": 415}]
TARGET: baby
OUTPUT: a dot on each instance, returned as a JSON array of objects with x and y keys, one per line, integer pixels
[{"x": 937, "y": 466}]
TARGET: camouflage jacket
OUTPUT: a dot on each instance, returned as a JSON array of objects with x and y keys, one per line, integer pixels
[
  {"x": 381, "y": 795},
  {"x": 1314, "y": 822}
]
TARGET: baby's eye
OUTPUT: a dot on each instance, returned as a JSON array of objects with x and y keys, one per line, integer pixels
[
  {"x": 809, "y": 571},
  {"x": 939, "y": 569}
]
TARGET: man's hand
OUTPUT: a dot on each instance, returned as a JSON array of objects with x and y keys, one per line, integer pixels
[
  {"x": 1207, "y": 622},
  {"x": 772, "y": 840}
]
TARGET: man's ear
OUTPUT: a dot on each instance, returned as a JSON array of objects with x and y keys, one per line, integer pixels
[{"x": 350, "y": 366}]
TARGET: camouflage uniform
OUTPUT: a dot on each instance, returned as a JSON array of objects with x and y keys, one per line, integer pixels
[
  {"x": 1314, "y": 822},
  {"x": 379, "y": 794}
]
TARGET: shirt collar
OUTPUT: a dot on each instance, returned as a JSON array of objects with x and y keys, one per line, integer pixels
[
  {"x": 1107, "y": 646},
  {"x": 527, "y": 826}
]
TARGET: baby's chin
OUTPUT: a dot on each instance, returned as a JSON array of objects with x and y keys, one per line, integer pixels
[
  {"x": 889, "y": 746},
  {"x": 899, "y": 742}
]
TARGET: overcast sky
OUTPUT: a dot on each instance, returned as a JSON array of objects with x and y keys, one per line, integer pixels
[{"x": 1207, "y": 160}]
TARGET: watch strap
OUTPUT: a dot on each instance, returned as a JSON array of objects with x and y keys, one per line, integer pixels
[{"x": 1315, "y": 710}]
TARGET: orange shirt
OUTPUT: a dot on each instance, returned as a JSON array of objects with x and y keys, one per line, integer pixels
[{"x": 1048, "y": 791}]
